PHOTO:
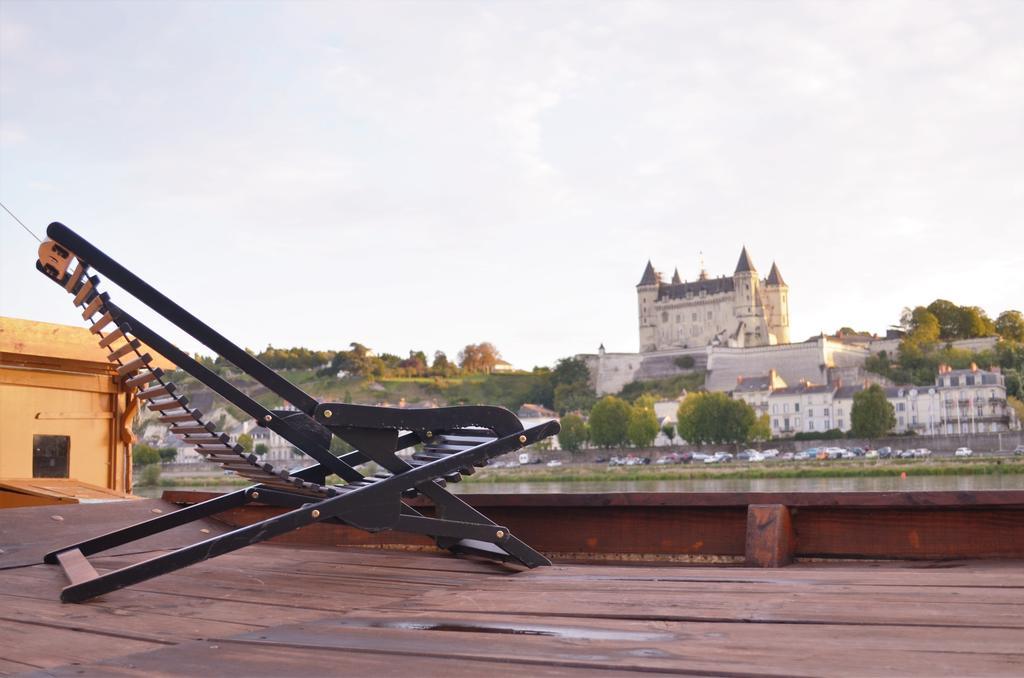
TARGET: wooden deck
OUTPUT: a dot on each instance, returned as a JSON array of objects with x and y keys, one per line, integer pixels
[{"x": 286, "y": 610}]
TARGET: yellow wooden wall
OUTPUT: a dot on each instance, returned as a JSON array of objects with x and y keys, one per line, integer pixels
[{"x": 82, "y": 406}]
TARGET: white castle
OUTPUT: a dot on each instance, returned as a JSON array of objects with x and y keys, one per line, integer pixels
[{"x": 738, "y": 311}]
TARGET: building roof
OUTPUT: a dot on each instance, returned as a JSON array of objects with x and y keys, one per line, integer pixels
[
  {"x": 847, "y": 392},
  {"x": 763, "y": 383},
  {"x": 803, "y": 389},
  {"x": 710, "y": 286},
  {"x": 27, "y": 339},
  {"x": 774, "y": 277},
  {"x": 744, "y": 265},
  {"x": 675, "y": 277},
  {"x": 532, "y": 411},
  {"x": 650, "y": 277}
]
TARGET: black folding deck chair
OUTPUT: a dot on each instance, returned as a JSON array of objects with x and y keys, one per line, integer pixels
[{"x": 452, "y": 442}]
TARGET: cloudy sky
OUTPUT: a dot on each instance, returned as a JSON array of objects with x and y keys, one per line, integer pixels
[{"x": 424, "y": 175}]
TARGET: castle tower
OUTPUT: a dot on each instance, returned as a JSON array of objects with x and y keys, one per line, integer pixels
[
  {"x": 647, "y": 294},
  {"x": 776, "y": 297},
  {"x": 748, "y": 304}
]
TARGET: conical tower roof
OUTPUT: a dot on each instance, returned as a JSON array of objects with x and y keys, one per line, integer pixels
[
  {"x": 675, "y": 278},
  {"x": 774, "y": 277},
  {"x": 650, "y": 277},
  {"x": 744, "y": 265}
]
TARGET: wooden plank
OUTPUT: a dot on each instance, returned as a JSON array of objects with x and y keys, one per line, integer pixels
[
  {"x": 111, "y": 337},
  {"x": 770, "y": 539},
  {"x": 599, "y": 645},
  {"x": 124, "y": 350},
  {"x": 26, "y": 534},
  {"x": 229, "y": 659},
  {"x": 85, "y": 290},
  {"x": 76, "y": 567},
  {"x": 103, "y": 321},
  {"x": 983, "y": 532},
  {"x": 799, "y": 606},
  {"x": 38, "y": 587},
  {"x": 45, "y": 646}
]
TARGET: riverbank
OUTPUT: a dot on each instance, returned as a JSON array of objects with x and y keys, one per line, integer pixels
[{"x": 878, "y": 468}]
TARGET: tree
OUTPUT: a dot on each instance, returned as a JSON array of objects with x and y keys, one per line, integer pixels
[
  {"x": 570, "y": 384},
  {"x": 1014, "y": 384},
  {"x": 974, "y": 322},
  {"x": 924, "y": 326},
  {"x": 643, "y": 423},
  {"x": 441, "y": 366},
  {"x": 573, "y": 434},
  {"x": 144, "y": 455},
  {"x": 573, "y": 397},
  {"x": 357, "y": 361},
  {"x": 762, "y": 429},
  {"x": 609, "y": 422},
  {"x": 948, "y": 315},
  {"x": 480, "y": 357},
  {"x": 570, "y": 371},
  {"x": 415, "y": 365},
  {"x": 715, "y": 418},
  {"x": 872, "y": 415},
  {"x": 670, "y": 431},
  {"x": 1017, "y": 406},
  {"x": 1010, "y": 326},
  {"x": 167, "y": 454},
  {"x": 260, "y": 449},
  {"x": 245, "y": 441}
]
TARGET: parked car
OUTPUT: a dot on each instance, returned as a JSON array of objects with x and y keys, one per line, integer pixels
[
  {"x": 786, "y": 456},
  {"x": 871, "y": 454},
  {"x": 699, "y": 456},
  {"x": 554, "y": 462},
  {"x": 1019, "y": 450},
  {"x": 770, "y": 454},
  {"x": 756, "y": 456},
  {"x": 670, "y": 458},
  {"x": 884, "y": 452},
  {"x": 963, "y": 452}
]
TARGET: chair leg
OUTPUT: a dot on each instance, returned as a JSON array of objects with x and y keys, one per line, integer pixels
[
  {"x": 188, "y": 555},
  {"x": 153, "y": 526}
]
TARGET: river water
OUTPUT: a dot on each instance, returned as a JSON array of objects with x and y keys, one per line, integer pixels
[{"x": 859, "y": 484}]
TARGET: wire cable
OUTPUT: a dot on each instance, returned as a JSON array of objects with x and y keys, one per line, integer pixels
[{"x": 27, "y": 229}]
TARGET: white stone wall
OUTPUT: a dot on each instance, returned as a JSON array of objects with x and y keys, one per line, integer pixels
[
  {"x": 809, "y": 361},
  {"x": 610, "y": 372}
]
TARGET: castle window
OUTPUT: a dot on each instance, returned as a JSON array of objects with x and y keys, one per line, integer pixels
[
  {"x": 710, "y": 315},
  {"x": 664, "y": 316},
  {"x": 694, "y": 317}
]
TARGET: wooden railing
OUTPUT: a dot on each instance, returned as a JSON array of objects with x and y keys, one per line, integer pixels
[{"x": 766, "y": 529}]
